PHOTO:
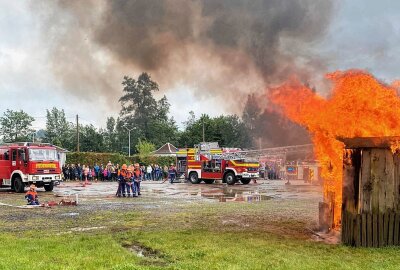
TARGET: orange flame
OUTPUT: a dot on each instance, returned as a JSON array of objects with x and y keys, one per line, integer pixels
[{"x": 359, "y": 106}]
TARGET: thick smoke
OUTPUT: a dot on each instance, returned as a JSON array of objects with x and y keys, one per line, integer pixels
[{"x": 221, "y": 48}]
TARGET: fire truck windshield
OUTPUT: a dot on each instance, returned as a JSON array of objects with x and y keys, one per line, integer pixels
[{"x": 42, "y": 154}]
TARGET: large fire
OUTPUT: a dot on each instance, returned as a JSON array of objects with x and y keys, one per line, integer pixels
[{"x": 359, "y": 106}]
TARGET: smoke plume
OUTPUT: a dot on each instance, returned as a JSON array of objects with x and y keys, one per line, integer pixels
[{"x": 220, "y": 48}]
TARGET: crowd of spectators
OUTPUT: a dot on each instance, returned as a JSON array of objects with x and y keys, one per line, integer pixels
[{"x": 110, "y": 172}]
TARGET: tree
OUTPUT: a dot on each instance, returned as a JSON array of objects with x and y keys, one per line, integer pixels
[
  {"x": 144, "y": 149},
  {"x": 90, "y": 139},
  {"x": 148, "y": 116},
  {"x": 16, "y": 126},
  {"x": 251, "y": 113},
  {"x": 59, "y": 131},
  {"x": 228, "y": 131},
  {"x": 138, "y": 103},
  {"x": 110, "y": 135}
]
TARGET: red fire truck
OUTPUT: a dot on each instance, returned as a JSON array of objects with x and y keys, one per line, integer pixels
[
  {"x": 22, "y": 164},
  {"x": 208, "y": 162}
]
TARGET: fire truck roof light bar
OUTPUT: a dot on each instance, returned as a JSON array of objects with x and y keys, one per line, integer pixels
[{"x": 28, "y": 144}]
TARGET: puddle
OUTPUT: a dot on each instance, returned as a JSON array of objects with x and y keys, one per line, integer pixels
[
  {"x": 228, "y": 194},
  {"x": 80, "y": 229},
  {"x": 70, "y": 214},
  {"x": 262, "y": 191}
]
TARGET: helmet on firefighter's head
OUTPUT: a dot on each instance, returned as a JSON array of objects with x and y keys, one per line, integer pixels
[{"x": 124, "y": 167}]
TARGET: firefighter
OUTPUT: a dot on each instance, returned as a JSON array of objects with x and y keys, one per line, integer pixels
[
  {"x": 122, "y": 182},
  {"x": 172, "y": 173},
  {"x": 128, "y": 182},
  {"x": 137, "y": 178},
  {"x": 31, "y": 196}
]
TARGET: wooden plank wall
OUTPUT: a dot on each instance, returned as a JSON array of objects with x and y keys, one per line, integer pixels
[
  {"x": 371, "y": 230},
  {"x": 371, "y": 198}
]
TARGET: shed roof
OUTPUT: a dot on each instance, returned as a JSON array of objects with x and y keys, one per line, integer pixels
[
  {"x": 166, "y": 149},
  {"x": 370, "y": 142}
]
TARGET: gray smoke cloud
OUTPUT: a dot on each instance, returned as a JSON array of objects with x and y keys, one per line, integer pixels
[{"x": 222, "y": 48}]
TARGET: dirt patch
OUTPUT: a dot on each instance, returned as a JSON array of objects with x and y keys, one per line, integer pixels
[
  {"x": 142, "y": 251},
  {"x": 148, "y": 255}
]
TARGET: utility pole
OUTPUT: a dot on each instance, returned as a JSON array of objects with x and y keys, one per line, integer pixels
[
  {"x": 77, "y": 133},
  {"x": 129, "y": 132},
  {"x": 204, "y": 139}
]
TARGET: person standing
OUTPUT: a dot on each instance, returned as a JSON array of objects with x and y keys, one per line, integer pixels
[
  {"x": 96, "y": 171},
  {"x": 137, "y": 173},
  {"x": 129, "y": 185},
  {"x": 122, "y": 181},
  {"x": 85, "y": 172},
  {"x": 71, "y": 172},
  {"x": 172, "y": 173},
  {"x": 149, "y": 170},
  {"x": 165, "y": 173},
  {"x": 157, "y": 172},
  {"x": 80, "y": 172},
  {"x": 101, "y": 176}
]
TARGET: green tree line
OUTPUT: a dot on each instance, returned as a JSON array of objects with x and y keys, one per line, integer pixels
[{"x": 149, "y": 122}]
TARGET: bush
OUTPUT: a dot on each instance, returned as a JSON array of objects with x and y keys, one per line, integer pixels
[{"x": 91, "y": 158}]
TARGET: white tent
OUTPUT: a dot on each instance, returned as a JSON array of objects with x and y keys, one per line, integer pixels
[{"x": 62, "y": 155}]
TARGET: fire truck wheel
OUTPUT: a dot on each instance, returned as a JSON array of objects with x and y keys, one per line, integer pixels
[
  {"x": 194, "y": 178},
  {"x": 230, "y": 178},
  {"x": 19, "y": 185},
  {"x": 49, "y": 187},
  {"x": 209, "y": 181},
  {"x": 245, "y": 181}
]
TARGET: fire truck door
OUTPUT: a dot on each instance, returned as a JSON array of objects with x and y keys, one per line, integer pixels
[
  {"x": 14, "y": 160},
  {"x": 211, "y": 169}
]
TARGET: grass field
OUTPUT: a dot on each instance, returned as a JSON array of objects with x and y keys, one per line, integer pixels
[{"x": 177, "y": 234}]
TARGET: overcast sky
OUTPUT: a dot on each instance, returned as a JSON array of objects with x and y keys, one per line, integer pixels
[{"x": 362, "y": 34}]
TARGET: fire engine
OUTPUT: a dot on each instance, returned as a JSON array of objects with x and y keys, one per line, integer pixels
[
  {"x": 208, "y": 162},
  {"x": 22, "y": 164}
]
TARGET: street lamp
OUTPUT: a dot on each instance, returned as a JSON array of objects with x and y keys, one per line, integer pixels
[{"x": 129, "y": 132}]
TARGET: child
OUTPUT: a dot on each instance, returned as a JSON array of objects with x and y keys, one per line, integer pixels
[
  {"x": 32, "y": 196},
  {"x": 122, "y": 182},
  {"x": 137, "y": 178}
]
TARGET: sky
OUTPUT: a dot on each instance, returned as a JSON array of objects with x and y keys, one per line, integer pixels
[{"x": 360, "y": 34}]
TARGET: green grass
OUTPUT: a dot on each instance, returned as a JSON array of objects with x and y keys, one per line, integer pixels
[
  {"x": 188, "y": 249},
  {"x": 268, "y": 235}
]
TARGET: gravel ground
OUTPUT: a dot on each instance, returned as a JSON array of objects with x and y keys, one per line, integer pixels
[{"x": 266, "y": 205}]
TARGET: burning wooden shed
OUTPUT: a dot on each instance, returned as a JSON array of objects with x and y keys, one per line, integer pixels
[{"x": 371, "y": 192}]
